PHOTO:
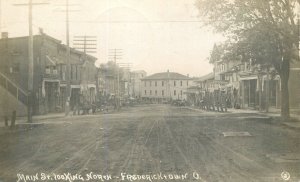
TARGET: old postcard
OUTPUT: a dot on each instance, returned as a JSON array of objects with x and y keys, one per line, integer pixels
[{"x": 149, "y": 90}]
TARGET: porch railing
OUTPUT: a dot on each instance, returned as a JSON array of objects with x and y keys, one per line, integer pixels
[{"x": 15, "y": 90}]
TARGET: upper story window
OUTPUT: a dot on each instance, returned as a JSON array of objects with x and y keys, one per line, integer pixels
[
  {"x": 15, "y": 67},
  {"x": 155, "y": 92},
  {"x": 155, "y": 83},
  {"x": 48, "y": 70},
  {"x": 150, "y": 83},
  {"x": 174, "y": 92},
  {"x": 187, "y": 83},
  {"x": 174, "y": 83},
  {"x": 63, "y": 72},
  {"x": 150, "y": 92},
  {"x": 145, "y": 92},
  {"x": 180, "y": 83},
  {"x": 54, "y": 71},
  {"x": 162, "y": 83},
  {"x": 162, "y": 92}
]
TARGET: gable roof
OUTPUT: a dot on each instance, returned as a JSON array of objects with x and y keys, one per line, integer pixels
[
  {"x": 208, "y": 76},
  {"x": 167, "y": 76}
]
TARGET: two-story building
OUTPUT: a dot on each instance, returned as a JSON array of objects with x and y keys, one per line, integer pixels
[
  {"x": 242, "y": 83},
  {"x": 165, "y": 86},
  {"x": 49, "y": 71},
  {"x": 135, "y": 84}
]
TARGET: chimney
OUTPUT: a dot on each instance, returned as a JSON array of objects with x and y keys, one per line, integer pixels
[
  {"x": 4, "y": 35},
  {"x": 41, "y": 30}
]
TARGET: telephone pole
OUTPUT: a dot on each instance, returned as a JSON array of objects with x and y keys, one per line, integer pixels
[
  {"x": 86, "y": 44},
  {"x": 30, "y": 58},
  {"x": 68, "y": 68},
  {"x": 126, "y": 67},
  {"x": 116, "y": 54},
  {"x": 0, "y": 16}
]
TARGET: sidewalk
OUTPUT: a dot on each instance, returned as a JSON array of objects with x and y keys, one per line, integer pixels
[
  {"x": 36, "y": 119},
  {"x": 39, "y": 119},
  {"x": 273, "y": 113}
]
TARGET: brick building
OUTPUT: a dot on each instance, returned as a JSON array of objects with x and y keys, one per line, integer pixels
[{"x": 49, "y": 72}]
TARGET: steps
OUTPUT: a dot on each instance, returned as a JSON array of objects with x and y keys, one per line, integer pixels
[{"x": 12, "y": 98}]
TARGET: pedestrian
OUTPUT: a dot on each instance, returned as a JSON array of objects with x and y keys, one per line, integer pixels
[
  {"x": 75, "y": 109},
  {"x": 94, "y": 107},
  {"x": 67, "y": 107},
  {"x": 6, "y": 121},
  {"x": 13, "y": 120}
]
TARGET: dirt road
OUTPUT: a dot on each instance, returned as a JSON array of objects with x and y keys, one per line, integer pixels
[{"x": 151, "y": 143}]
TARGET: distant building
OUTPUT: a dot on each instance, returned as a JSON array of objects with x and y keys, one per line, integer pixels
[
  {"x": 202, "y": 85},
  {"x": 49, "y": 72},
  {"x": 107, "y": 81},
  {"x": 240, "y": 83},
  {"x": 165, "y": 86},
  {"x": 136, "y": 83}
]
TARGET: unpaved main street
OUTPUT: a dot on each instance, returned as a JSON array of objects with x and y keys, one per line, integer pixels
[{"x": 155, "y": 143}]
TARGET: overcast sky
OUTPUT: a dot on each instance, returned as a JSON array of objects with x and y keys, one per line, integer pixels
[{"x": 154, "y": 35}]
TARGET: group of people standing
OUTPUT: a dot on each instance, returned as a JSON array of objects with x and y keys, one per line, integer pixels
[{"x": 215, "y": 102}]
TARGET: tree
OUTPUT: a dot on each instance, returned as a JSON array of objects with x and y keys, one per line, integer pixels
[
  {"x": 110, "y": 71},
  {"x": 264, "y": 31}
]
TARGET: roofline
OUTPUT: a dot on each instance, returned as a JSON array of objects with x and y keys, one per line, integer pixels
[
  {"x": 54, "y": 40},
  {"x": 147, "y": 77},
  {"x": 167, "y": 79},
  {"x": 208, "y": 76}
]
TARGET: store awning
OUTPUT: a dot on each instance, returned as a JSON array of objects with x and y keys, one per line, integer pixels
[
  {"x": 91, "y": 86},
  {"x": 249, "y": 78},
  {"x": 50, "y": 80},
  {"x": 75, "y": 86}
]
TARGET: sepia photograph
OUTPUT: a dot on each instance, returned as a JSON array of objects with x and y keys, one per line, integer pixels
[{"x": 150, "y": 90}]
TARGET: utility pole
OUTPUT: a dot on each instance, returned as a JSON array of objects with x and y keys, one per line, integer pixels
[
  {"x": 116, "y": 54},
  {"x": 68, "y": 68},
  {"x": 68, "y": 54},
  {"x": 0, "y": 16},
  {"x": 30, "y": 58},
  {"x": 86, "y": 44},
  {"x": 126, "y": 67}
]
